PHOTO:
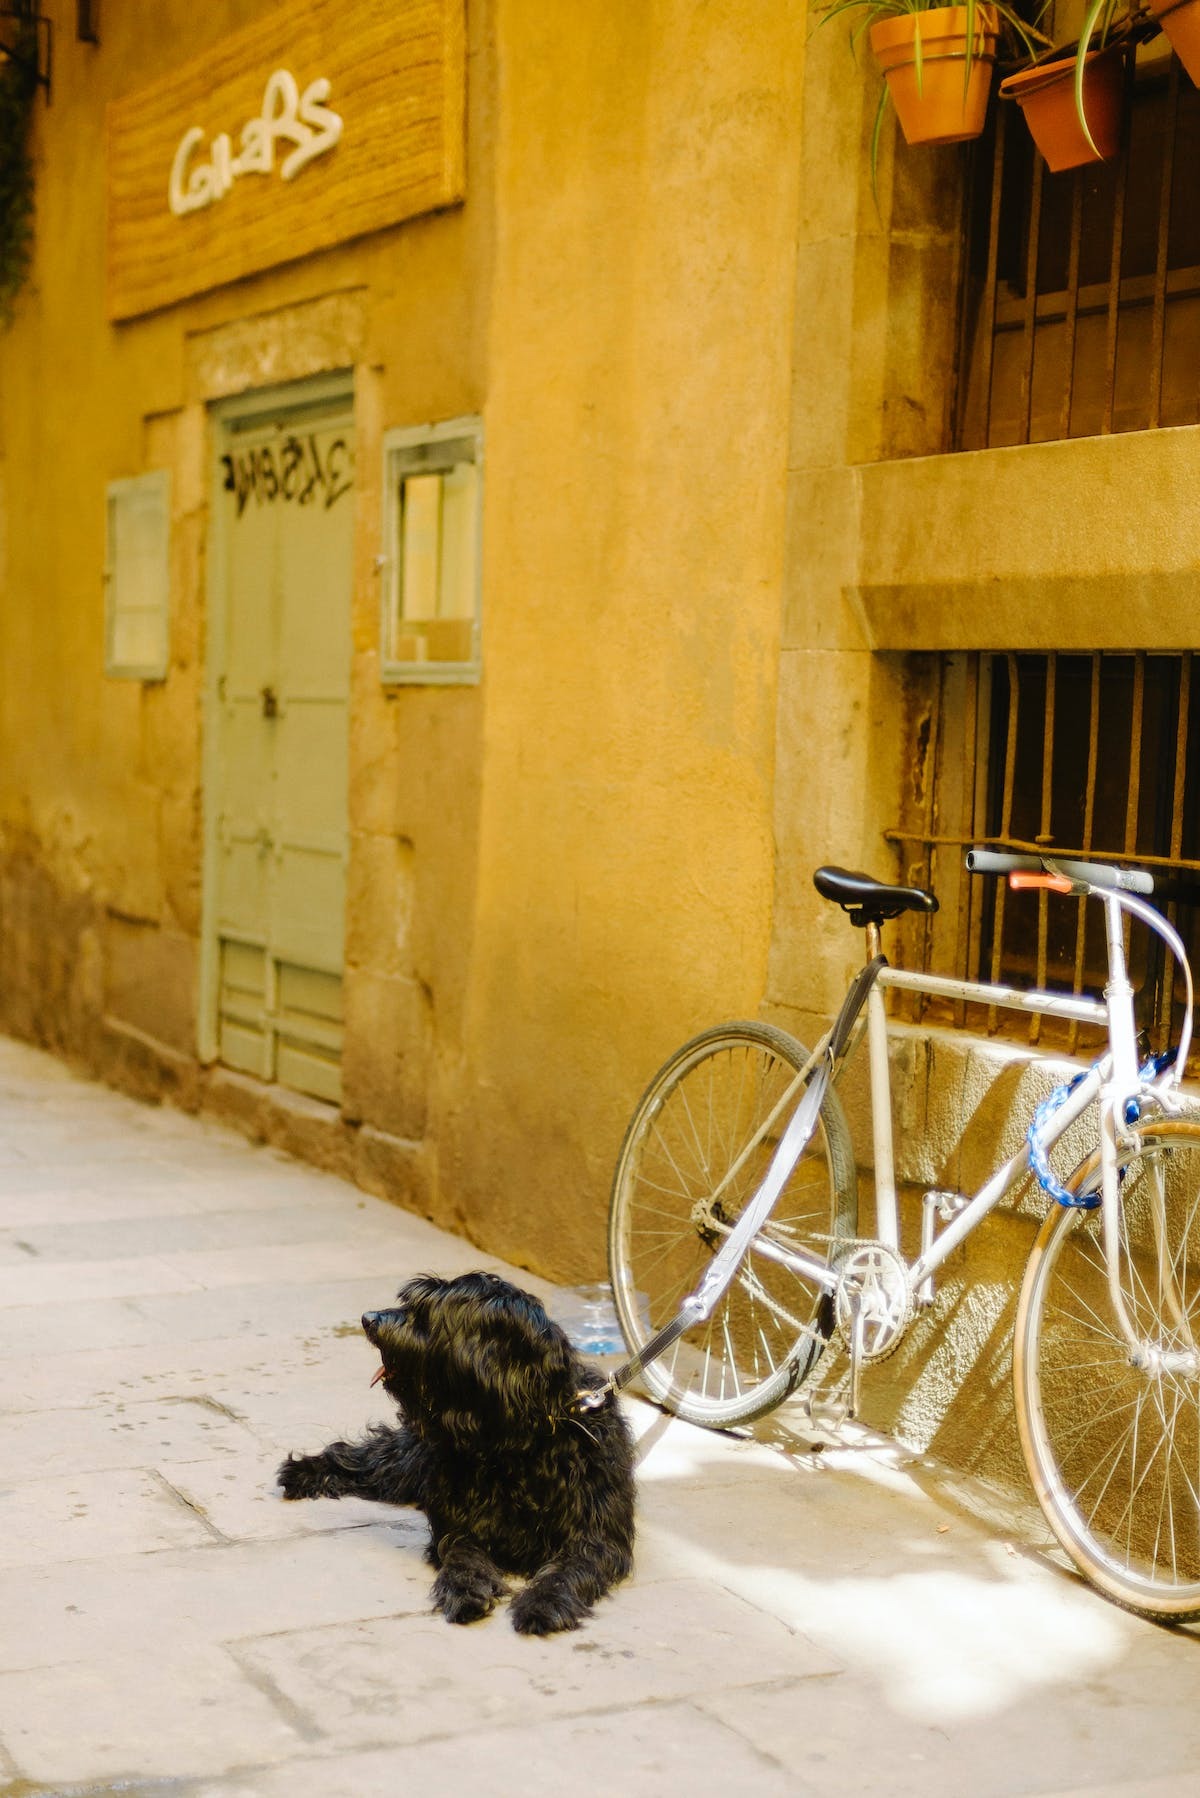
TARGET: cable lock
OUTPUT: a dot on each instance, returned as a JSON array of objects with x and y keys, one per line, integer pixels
[{"x": 1039, "y": 1161}]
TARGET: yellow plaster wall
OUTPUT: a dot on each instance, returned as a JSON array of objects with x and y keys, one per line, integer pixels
[
  {"x": 557, "y": 874},
  {"x": 897, "y": 551},
  {"x": 101, "y": 781},
  {"x": 647, "y": 188}
]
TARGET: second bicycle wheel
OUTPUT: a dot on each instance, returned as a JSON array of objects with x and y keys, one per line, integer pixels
[
  {"x": 697, "y": 1149},
  {"x": 1110, "y": 1430}
]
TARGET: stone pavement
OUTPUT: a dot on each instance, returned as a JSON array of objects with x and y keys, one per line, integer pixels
[{"x": 178, "y": 1308}]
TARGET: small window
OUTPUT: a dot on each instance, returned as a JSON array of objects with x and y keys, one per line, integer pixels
[
  {"x": 432, "y": 483},
  {"x": 1080, "y": 311},
  {"x": 1090, "y": 755},
  {"x": 137, "y": 577}
]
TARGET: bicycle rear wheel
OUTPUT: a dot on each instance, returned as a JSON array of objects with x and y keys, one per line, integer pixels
[
  {"x": 696, "y": 1151},
  {"x": 1112, "y": 1434}
]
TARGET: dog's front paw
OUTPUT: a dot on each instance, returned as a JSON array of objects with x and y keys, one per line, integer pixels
[
  {"x": 307, "y": 1476},
  {"x": 465, "y": 1594},
  {"x": 546, "y": 1607}
]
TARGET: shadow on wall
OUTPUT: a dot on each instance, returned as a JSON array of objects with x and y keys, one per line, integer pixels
[{"x": 962, "y": 1105}]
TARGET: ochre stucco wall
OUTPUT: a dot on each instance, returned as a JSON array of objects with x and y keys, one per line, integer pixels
[
  {"x": 714, "y": 376},
  {"x": 897, "y": 552},
  {"x": 646, "y": 193},
  {"x": 556, "y": 874}
]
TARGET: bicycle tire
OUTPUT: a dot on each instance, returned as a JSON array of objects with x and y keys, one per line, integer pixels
[
  {"x": 1113, "y": 1448},
  {"x": 706, "y": 1107}
]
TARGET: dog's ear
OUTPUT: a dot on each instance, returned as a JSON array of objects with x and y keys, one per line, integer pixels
[
  {"x": 509, "y": 1383},
  {"x": 420, "y": 1291}
]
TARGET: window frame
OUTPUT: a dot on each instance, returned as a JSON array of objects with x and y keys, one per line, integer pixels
[
  {"x": 154, "y": 484},
  {"x": 966, "y": 792},
  {"x": 1103, "y": 353},
  {"x": 427, "y": 449}
]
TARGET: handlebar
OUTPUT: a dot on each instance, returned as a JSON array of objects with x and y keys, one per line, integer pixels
[
  {"x": 1080, "y": 877},
  {"x": 1093, "y": 874}
]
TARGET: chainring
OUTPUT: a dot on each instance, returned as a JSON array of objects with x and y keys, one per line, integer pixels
[{"x": 873, "y": 1280}]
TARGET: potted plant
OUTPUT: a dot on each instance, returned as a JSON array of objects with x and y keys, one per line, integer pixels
[
  {"x": 1072, "y": 102},
  {"x": 1073, "y": 97},
  {"x": 1180, "y": 20},
  {"x": 937, "y": 60}
]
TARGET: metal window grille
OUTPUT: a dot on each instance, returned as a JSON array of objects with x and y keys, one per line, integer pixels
[
  {"x": 1081, "y": 296},
  {"x": 1094, "y": 755}
]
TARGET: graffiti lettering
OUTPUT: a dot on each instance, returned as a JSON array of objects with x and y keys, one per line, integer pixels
[
  {"x": 287, "y": 116},
  {"x": 298, "y": 473}
]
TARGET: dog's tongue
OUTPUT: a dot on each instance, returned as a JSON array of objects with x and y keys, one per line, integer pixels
[{"x": 378, "y": 1374}]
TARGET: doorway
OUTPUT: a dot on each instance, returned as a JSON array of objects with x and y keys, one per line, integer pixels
[{"x": 277, "y": 763}]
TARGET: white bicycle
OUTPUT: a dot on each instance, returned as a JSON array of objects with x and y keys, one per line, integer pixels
[{"x": 735, "y": 1255}]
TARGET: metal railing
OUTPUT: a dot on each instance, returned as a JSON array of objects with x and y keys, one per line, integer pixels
[
  {"x": 1081, "y": 294},
  {"x": 1092, "y": 756}
]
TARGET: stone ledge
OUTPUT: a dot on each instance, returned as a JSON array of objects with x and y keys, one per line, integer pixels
[
  {"x": 311, "y": 1129},
  {"x": 139, "y": 1064},
  {"x": 391, "y": 1167}
]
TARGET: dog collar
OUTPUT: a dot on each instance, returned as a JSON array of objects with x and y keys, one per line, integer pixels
[{"x": 590, "y": 1398}]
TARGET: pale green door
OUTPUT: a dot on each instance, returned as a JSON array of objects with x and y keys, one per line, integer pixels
[{"x": 285, "y": 543}]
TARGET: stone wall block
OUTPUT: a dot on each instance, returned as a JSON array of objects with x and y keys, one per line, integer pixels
[
  {"x": 821, "y": 577},
  {"x": 386, "y": 1062},
  {"x": 374, "y": 767},
  {"x": 921, "y": 345},
  {"x": 288, "y": 344},
  {"x": 50, "y": 956},
  {"x": 300, "y": 1126},
  {"x": 150, "y": 981},
  {"x": 824, "y": 316},
  {"x": 394, "y": 1168},
  {"x": 379, "y": 904},
  {"x": 181, "y": 860},
  {"x": 147, "y": 1069}
]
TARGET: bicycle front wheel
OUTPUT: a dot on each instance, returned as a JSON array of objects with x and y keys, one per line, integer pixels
[
  {"x": 1110, "y": 1429},
  {"x": 696, "y": 1151}
]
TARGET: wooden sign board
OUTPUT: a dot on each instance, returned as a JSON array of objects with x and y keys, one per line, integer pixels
[{"x": 320, "y": 122}]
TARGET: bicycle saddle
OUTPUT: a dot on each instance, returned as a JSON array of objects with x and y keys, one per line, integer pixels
[{"x": 870, "y": 901}]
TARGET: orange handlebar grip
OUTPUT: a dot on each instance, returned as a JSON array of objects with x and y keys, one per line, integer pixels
[{"x": 1054, "y": 883}]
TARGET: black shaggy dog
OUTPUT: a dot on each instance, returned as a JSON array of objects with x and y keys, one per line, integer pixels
[{"x": 513, "y": 1473}]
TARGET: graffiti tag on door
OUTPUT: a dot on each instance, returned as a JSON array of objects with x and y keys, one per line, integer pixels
[{"x": 298, "y": 472}]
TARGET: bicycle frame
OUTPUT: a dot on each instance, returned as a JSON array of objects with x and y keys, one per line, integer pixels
[
  {"x": 969, "y": 1212},
  {"x": 1114, "y": 1080}
]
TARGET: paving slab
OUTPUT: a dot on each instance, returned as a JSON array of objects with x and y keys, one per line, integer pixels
[
  {"x": 69, "y": 1611},
  {"x": 343, "y": 1679},
  {"x": 230, "y": 1365},
  {"x": 101, "y": 1717},
  {"x": 191, "y": 1232},
  {"x": 29, "y": 1329},
  {"x": 86, "y": 1516},
  {"x": 812, "y": 1610},
  {"x": 238, "y": 1499},
  {"x": 643, "y": 1752}
]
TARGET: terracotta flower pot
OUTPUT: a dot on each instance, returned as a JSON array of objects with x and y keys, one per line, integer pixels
[
  {"x": 1180, "y": 20},
  {"x": 937, "y": 106},
  {"x": 1046, "y": 95}
]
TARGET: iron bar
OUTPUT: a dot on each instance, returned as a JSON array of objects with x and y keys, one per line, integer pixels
[
  {"x": 1029, "y": 322},
  {"x": 1162, "y": 251},
  {"x": 1114, "y": 265},
  {"x": 992, "y": 275},
  {"x": 1071, "y": 315}
]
